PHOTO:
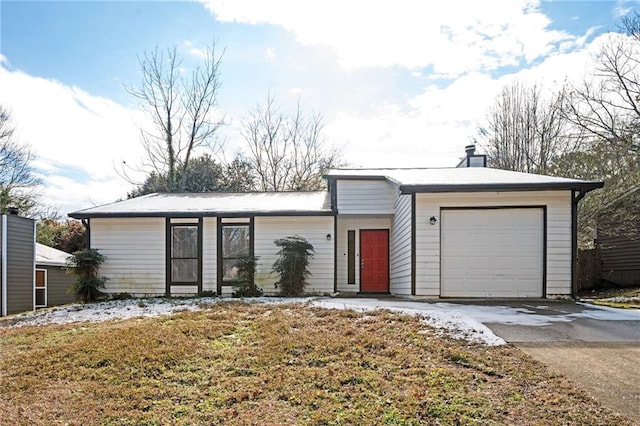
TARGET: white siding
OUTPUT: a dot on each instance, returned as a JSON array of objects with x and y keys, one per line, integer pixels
[
  {"x": 558, "y": 204},
  {"x": 365, "y": 197},
  {"x": 135, "y": 254},
  {"x": 354, "y": 223},
  {"x": 315, "y": 230},
  {"x": 400, "y": 250},
  {"x": 209, "y": 258}
]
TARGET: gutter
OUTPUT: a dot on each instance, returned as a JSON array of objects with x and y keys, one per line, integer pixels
[
  {"x": 576, "y": 196},
  {"x": 485, "y": 187}
]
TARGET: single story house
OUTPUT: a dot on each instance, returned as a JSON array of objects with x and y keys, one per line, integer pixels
[
  {"x": 52, "y": 282},
  {"x": 441, "y": 232}
]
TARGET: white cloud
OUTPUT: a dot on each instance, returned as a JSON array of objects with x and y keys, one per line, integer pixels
[
  {"x": 74, "y": 134},
  {"x": 270, "y": 53},
  {"x": 433, "y": 127},
  {"x": 453, "y": 37}
]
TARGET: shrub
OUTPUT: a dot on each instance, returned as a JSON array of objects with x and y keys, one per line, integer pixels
[
  {"x": 207, "y": 293},
  {"x": 292, "y": 265},
  {"x": 246, "y": 272},
  {"x": 121, "y": 296},
  {"x": 85, "y": 265}
]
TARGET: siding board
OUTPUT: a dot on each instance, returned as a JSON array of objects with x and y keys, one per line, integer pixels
[
  {"x": 20, "y": 257},
  {"x": 58, "y": 282},
  {"x": 365, "y": 197},
  {"x": 400, "y": 247},
  {"x": 315, "y": 230},
  {"x": 558, "y": 269},
  {"x": 134, "y": 249}
]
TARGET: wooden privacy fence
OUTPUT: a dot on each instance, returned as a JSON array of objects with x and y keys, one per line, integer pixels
[{"x": 588, "y": 269}]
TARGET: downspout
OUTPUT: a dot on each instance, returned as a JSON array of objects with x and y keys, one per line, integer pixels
[
  {"x": 3, "y": 256},
  {"x": 87, "y": 226}
]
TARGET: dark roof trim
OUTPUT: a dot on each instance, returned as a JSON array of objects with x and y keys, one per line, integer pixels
[
  {"x": 79, "y": 215},
  {"x": 585, "y": 186},
  {"x": 353, "y": 177}
]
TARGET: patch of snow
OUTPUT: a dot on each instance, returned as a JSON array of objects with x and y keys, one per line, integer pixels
[
  {"x": 607, "y": 313},
  {"x": 125, "y": 309},
  {"x": 454, "y": 322},
  {"x": 449, "y": 318},
  {"x": 621, "y": 299}
]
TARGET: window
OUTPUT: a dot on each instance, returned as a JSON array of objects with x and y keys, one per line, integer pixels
[
  {"x": 236, "y": 244},
  {"x": 41, "y": 288},
  {"x": 184, "y": 253},
  {"x": 351, "y": 257}
]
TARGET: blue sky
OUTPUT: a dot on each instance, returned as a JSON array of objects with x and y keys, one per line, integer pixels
[{"x": 400, "y": 83}]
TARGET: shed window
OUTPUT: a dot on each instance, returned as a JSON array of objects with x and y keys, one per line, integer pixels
[
  {"x": 41, "y": 288},
  {"x": 236, "y": 244},
  {"x": 184, "y": 253}
]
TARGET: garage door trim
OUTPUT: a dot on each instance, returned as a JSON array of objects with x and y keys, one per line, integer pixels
[{"x": 507, "y": 207}]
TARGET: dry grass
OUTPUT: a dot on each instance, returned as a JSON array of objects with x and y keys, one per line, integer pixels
[
  {"x": 266, "y": 364},
  {"x": 625, "y": 298}
]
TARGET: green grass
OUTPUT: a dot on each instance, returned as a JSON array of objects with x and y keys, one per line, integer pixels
[{"x": 264, "y": 364}]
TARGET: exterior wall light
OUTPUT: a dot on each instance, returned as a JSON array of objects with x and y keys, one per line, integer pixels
[
  {"x": 433, "y": 220},
  {"x": 328, "y": 237}
]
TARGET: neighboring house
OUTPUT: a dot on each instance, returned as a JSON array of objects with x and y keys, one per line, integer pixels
[
  {"x": 31, "y": 275},
  {"x": 450, "y": 232},
  {"x": 52, "y": 281},
  {"x": 17, "y": 252}
]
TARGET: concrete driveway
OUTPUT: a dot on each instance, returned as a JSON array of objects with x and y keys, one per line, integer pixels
[{"x": 598, "y": 348}]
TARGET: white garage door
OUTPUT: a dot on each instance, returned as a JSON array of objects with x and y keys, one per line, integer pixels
[{"x": 492, "y": 252}]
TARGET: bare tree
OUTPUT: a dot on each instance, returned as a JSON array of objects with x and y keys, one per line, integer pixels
[
  {"x": 605, "y": 107},
  {"x": 19, "y": 185},
  {"x": 525, "y": 131},
  {"x": 287, "y": 152},
  {"x": 182, "y": 109}
]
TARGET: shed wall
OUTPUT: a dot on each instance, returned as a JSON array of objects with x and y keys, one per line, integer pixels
[
  {"x": 58, "y": 282},
  {"x": 20, "y": 257}
]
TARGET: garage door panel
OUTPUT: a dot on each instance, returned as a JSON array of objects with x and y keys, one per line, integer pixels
[{"x": 492, "y": 252}]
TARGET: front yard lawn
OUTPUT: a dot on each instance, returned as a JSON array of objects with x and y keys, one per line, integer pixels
[{"x": 238, "y": 363}]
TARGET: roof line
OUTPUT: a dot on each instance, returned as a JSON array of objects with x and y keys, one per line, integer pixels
[
  {"x": 589, "y": 186},
  {"x": 184, "y": 214}
]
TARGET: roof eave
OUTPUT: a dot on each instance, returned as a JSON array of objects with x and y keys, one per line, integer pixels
[
  {"x": 505, "y": 187},
  {"x": 178, "y": 214}
]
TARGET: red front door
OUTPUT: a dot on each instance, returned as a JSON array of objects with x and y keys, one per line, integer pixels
[{"x": 374, "y": 260}]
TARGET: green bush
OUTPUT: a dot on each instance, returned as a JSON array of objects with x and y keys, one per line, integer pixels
[
  {"x": 121, "y": 296},
  {"x": 207, "y": 293},
  {"x": 246, "y": 272},
  {"x": 292, "y": 265},
  {"x": 85, "y": 265}
]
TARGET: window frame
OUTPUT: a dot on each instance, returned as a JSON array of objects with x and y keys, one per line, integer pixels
[
  {"x": 171, "y": 224},
  {"x": 223, "y": 222},
  {"x": 43, "y": 288}
]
